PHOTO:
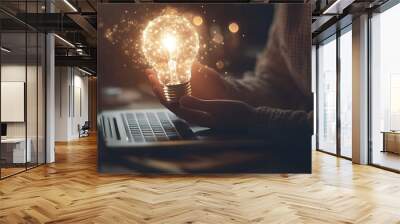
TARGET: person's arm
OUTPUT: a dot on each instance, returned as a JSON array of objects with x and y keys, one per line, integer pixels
[
  {"x": 281, "y": 77},
  {"x": 282, "y": 121},
  {"x": 238, "y": 116}
]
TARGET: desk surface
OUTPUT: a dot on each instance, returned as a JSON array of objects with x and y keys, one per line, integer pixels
[{"x": 390, "y": 132}]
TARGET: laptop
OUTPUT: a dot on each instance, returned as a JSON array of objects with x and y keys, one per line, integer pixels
[{"x": 158, "y": 128}]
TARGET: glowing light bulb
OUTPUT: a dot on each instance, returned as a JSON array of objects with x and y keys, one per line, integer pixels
[{"x": 170, "y": 44}]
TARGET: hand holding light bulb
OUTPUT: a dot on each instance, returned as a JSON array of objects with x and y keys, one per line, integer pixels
[
  {"x": 170, "y": 45},
  {"x": 219, "y": 114}
]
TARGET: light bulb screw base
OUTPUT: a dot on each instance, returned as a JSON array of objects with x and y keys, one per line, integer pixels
[{"x": 173, "y": 93}]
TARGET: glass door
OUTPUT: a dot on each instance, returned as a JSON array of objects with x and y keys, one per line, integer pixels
[
  {"x": 23, "y": 90},
  {"x": 14, "y": 145}
]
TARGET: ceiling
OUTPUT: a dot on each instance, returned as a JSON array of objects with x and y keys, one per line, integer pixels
[{"x": 76, "y": 22}]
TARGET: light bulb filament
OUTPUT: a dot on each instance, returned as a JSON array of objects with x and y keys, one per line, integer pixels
[
  {"x": 172, "y": 70},
  {"x": 169, "y": 42}
]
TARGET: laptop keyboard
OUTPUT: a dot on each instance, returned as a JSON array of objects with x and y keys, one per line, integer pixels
[{"x": 150, "y": 127}]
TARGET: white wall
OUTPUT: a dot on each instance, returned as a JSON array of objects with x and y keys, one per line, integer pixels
[
  {"x": 33, "y": 126},
  {"x": 17, "y": 73},
  {"x": 62, "y": 81},
  {"x": 71, "y": 102}
]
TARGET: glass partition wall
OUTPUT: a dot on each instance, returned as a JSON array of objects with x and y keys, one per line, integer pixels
[
  {"x": 334, "y": 84},
  {"x": 22, "y": 99},
  {"x": 345, "y": 92},
  {"x": 385, "y": 89},
  {"x": 327, "y": 78}
]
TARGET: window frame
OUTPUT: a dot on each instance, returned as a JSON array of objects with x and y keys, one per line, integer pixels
[
  {"x": 333, "y": 37},
  {"x": 378, "y": 10}
]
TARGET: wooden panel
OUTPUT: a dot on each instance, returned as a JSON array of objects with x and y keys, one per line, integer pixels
[
  {"x": 392, "y": 142},
  {"x": 92, "y": 100}
]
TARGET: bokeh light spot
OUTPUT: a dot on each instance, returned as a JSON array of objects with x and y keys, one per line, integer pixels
[
  {"x": 220, "y": 64},
  {"x": 197, "y": 20},
  {"x": 233, "y": 27},
  {"x": 218, "y": 38}
]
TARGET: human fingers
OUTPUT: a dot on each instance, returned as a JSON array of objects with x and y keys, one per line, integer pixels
[
  {"x": 194, "y": 103},
  {"x": 196, "y": 117}
]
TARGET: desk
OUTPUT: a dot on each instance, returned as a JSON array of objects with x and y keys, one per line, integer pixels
[
  {"x": 391, "y": 141},
  {"x": 13, "y": 150}
]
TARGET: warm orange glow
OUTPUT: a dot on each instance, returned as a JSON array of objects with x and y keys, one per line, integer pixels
[
  {"x": 218, "y": 38},
  {"x": 170, "y": 44},
  {"x": 197, "y": 20},
  {"x": 233, "y": 27},
  {"x": 220, "y": 64}
]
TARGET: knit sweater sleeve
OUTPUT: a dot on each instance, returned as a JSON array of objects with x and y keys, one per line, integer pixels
[
  {"x": 280, "y": 121},
  {"x": 281, "y": 77}
]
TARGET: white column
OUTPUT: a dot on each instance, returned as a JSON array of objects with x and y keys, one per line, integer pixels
[
  {"x": 50, "y": 92},
  {"x": 63, "y": 99},
  {"x": 360, "y": 90},
  {"x": 50, "y": 100}
]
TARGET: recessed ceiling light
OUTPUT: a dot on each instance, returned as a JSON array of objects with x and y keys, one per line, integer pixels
[
  {"x": 337, "y": 7},
  {"x": 64, "y": 40},
  {"x": 84, "y": 71}
]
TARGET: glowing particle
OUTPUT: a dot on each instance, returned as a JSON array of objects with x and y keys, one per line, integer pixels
[
  {"x": 220, "y": 64},
  {"x": 218, "y": 38},
  {"x": 233, "y": 27},
  {"x": 197, "y": 20}
]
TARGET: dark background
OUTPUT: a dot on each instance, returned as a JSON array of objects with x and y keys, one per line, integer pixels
[
  {"x": 122, "y": 84},
  {"x": 120, "y": 62}
]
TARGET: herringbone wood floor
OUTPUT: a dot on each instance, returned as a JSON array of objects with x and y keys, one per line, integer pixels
[{"x": 71, "y": 191}]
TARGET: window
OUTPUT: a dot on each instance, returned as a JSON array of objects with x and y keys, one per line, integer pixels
[
  {"x": 334, "y": 106},
  {"x": 22, "y": 75},
  {"x": 385, "y": 89},
  {"x": 327, "y": 95},
  {"x": 346, "y": 93}
]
